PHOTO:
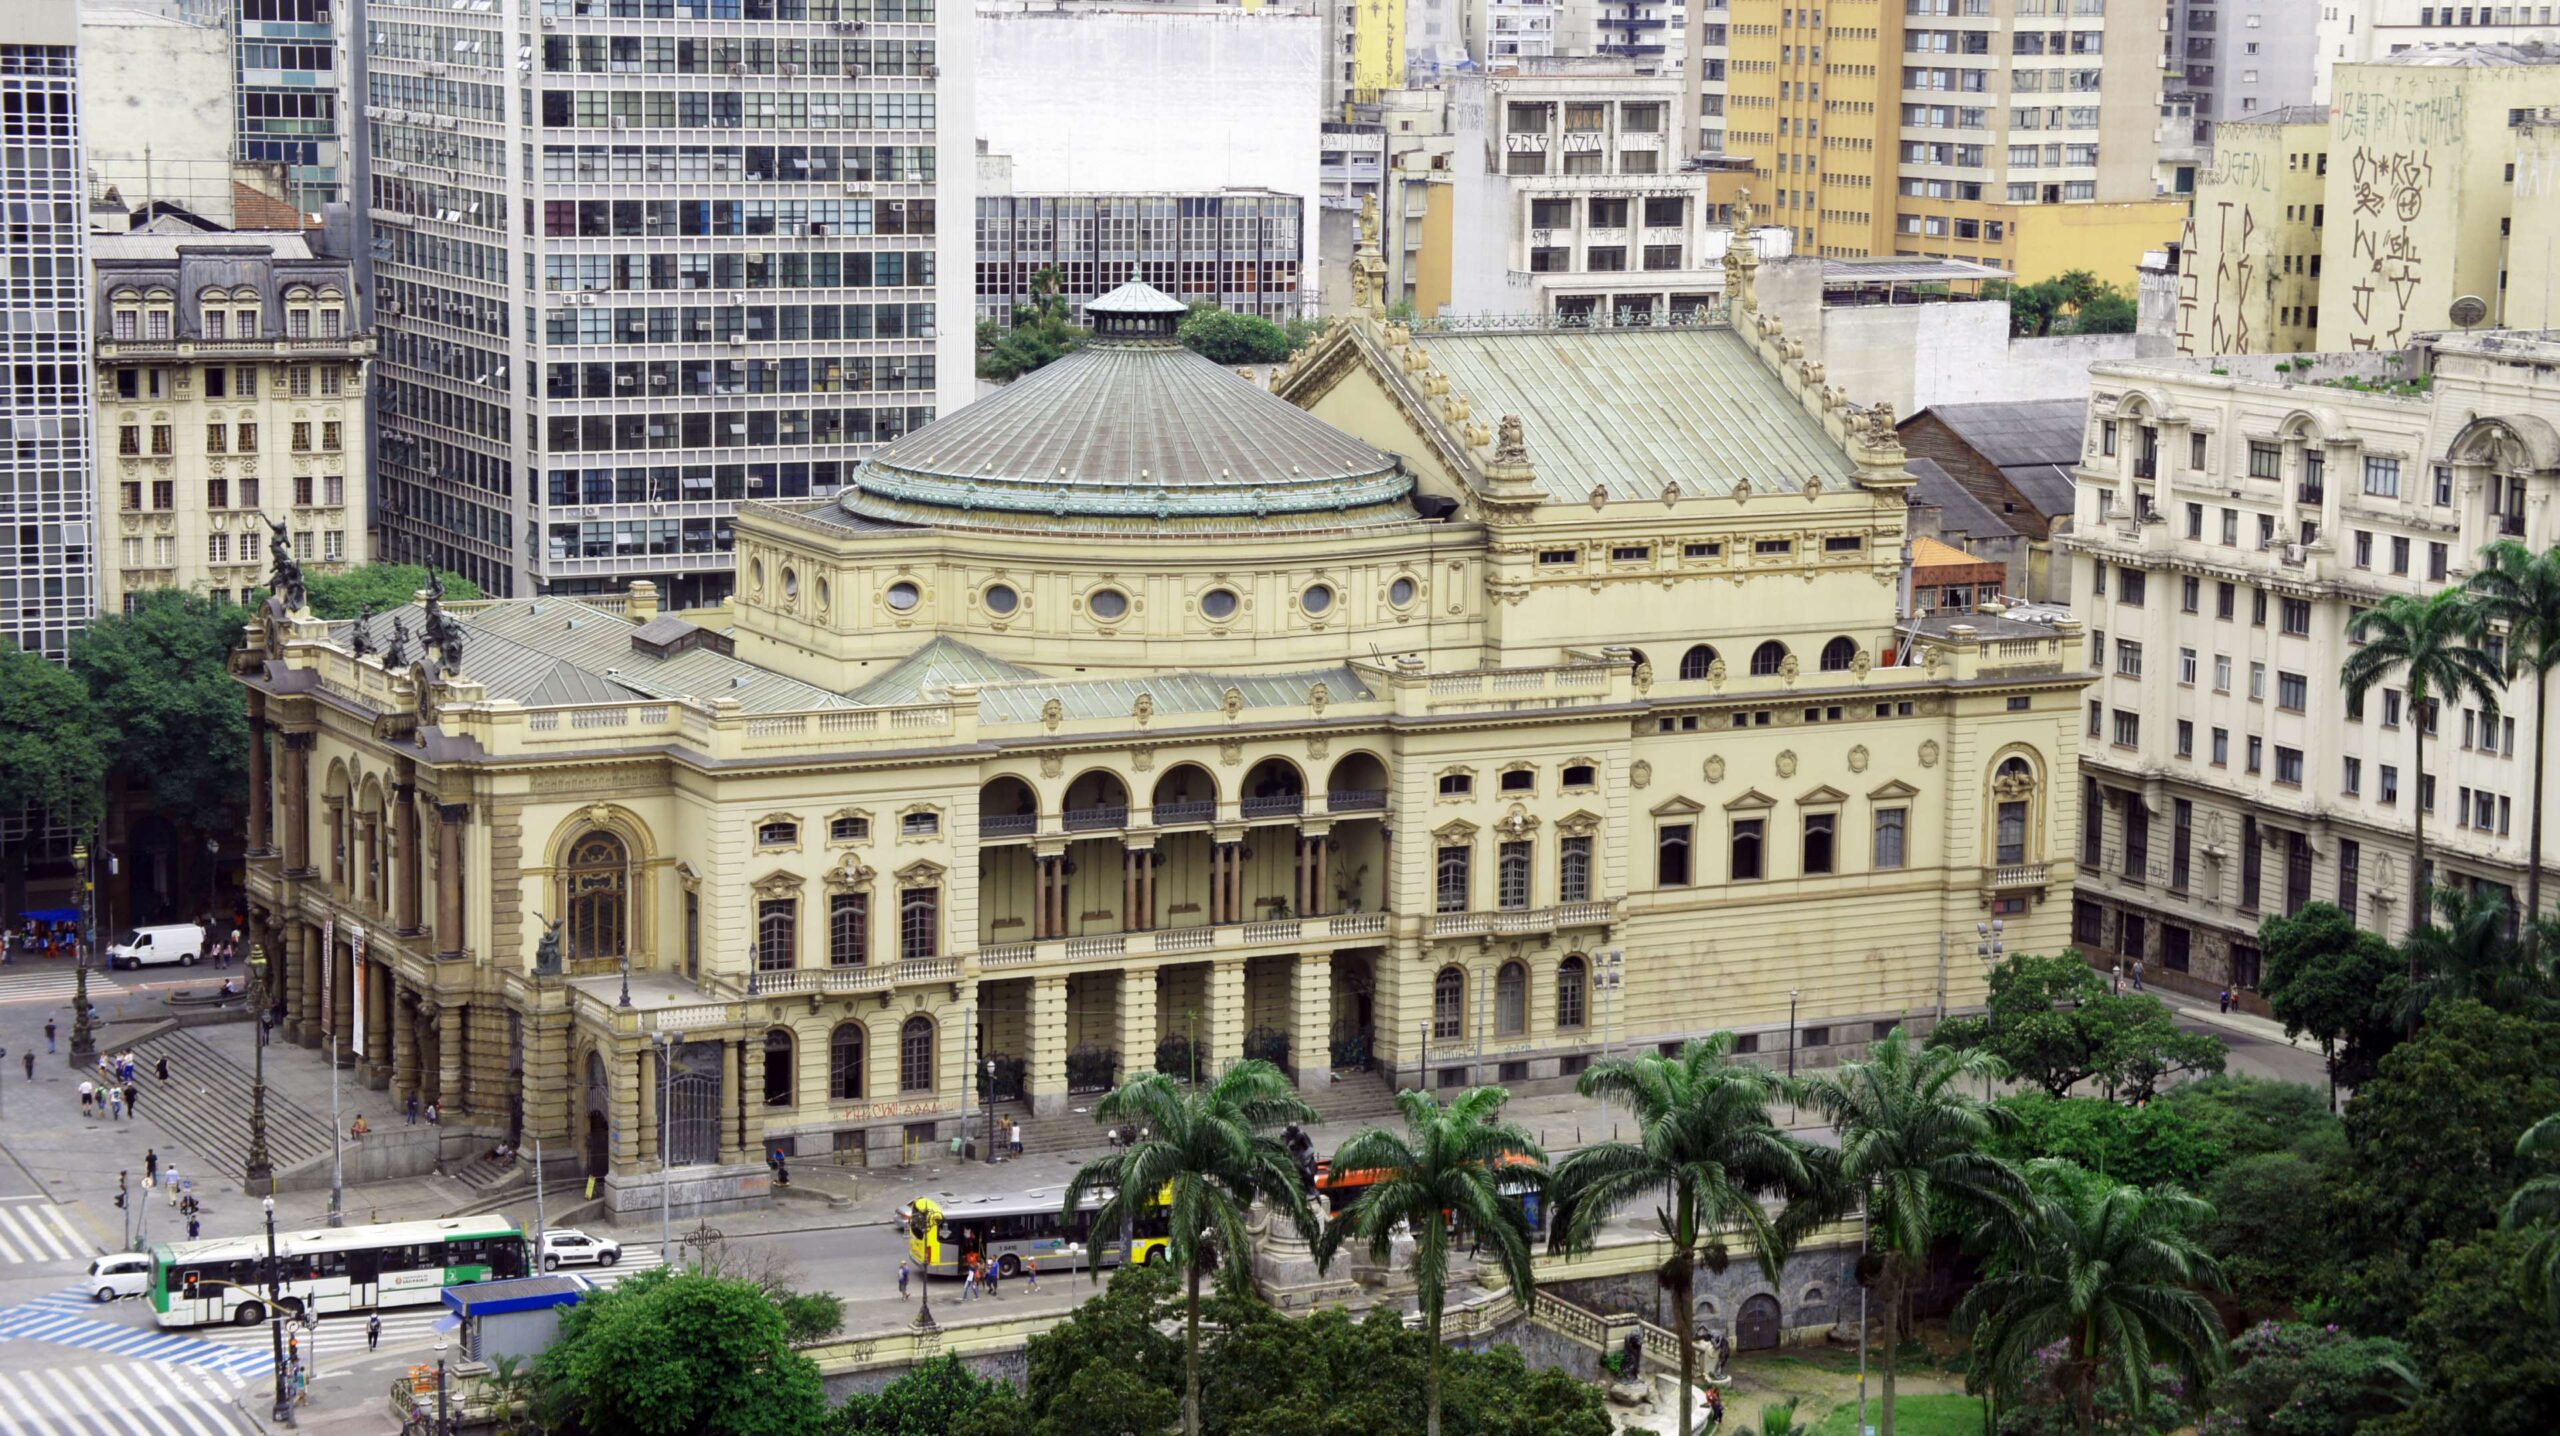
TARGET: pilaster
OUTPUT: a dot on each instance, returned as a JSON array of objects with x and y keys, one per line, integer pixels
[
  {"x": 1311, "y": 1019},
  {"x": 1137, "y": 1020},
  {"x": 1226, "y": 1014},
  {"x": 449, "y": 1075},
  {"x": 1048, "y": 1076},
  {"x": 634, "y": 1109}
]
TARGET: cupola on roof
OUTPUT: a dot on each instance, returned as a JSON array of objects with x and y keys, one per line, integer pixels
[{"x": 1131, "y": 435}]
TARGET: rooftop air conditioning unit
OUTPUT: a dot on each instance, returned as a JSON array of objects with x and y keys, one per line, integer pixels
[{"x": 737, "y": 341}]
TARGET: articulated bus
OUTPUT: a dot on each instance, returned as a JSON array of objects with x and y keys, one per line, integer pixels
[
  {"x": 345, "y": 1269},
  {"x": 1337, "y": 1192},
  {"x": 1004, "y": 1230}
]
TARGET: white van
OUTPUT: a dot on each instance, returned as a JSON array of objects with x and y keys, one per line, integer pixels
[{"x": 181, "y": 943}]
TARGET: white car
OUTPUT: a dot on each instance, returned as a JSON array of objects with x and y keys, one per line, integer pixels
[
  {"x": 123, "y": 1274},
  {"x": 568, "y": 1246}
]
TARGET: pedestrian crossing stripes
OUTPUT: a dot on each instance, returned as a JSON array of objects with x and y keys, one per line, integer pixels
[
  {"x": 53, "y": 1319},
  {"x": 115, "y": 1398},
  {"x": 55, "y": 981},
  {"x": 34, "y": 1232}
]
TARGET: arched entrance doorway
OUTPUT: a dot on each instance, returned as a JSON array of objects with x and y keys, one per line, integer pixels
[
  {"x": 1756, "y": 1329},
  {"x": 599, "y": 1128}
]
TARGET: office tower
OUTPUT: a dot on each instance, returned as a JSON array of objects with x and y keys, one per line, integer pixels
[
  {"x": 47, "y": 584},
  {"x": 627, "y": 277},
  {"x": 288, "y": 92}
]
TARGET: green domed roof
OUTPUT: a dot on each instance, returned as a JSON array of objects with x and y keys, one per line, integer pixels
[{"x": 1131, "y": 437}]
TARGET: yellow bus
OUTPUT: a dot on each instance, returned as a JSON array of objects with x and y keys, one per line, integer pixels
[{"x": 1005, "y": 1231}]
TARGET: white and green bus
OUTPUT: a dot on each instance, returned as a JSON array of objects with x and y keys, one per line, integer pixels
[{"x": 326, "y": 1270}]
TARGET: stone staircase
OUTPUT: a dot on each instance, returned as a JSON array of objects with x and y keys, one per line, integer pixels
[
  {"x": 1358, "y": 1099},
  {"x": 486, "y": 1176},
  {"x": 204, "y": 1107},
  {"x": 1354, "y": 1099}
]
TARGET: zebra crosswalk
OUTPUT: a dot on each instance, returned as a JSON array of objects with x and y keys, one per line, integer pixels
[
  {"x": 39, "y": 980},
  {"x": 70, "y": 1318},
  {"x": 34, "y": 1231},
  {"x": 114, "y": 1398}
]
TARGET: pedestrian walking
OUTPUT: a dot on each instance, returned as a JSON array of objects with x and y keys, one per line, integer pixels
[
  {"x": 2137, "y": 974},
  {"x": 115, "y": 1104},
  {"x": 151, "y": 1164},
  {"x": 969, "y": 1281},
  {"x": 48, "y": 1034},
  {"x": 1031, "y": 1273},
  {"x": 1016, "y": 1135},
  {"x": 164, "y": 1070},
  {"x": 373, "y": 1332},
  {"x": 195, "y": 1228},
  {"x": 133, "y": 1097},
  {"x": 411, "y": 1107},
  {"x": 87, "y": 1105},
  {"x": 176, "y": 1187},
  {"x": 904, "y": 1267},
  {"x": 2226, "y": 1002},
  {"x": 995, "y": 1279},
  {"x": 30, "y": 1059}
]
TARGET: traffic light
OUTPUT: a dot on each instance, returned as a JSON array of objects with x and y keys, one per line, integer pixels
[{"x": 124, "y": 1183}]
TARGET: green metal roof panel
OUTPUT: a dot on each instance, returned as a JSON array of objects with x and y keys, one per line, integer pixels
[
  {"x": 1172, "y": 693},
  {"x": 1630, "y": 410},
  {"x": 944, "y": 661}
]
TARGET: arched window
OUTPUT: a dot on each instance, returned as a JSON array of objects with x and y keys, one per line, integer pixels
[
  {"x": 1768, "y": 658},
  {"x": 777, "y": 934},
  {"x": 2012, "y": 789},
  {"x": 1511, "y": 1000},
  {"x": 1573, "y": 990},
  {"x": 844, "y": 1062},
  {"x": 779, "y": 1059},
  {"x": 598, "y": 879},
  {"x": 1838, "y": 654},
  {"x": 1695, "y": 664},
  {"x": 915, "y": 1055},
  {"x": 1449, "y": 1005}
]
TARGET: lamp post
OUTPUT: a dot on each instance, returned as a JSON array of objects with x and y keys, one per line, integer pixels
[
  {"x": 275, "y": 1317},
  {"x": 444, "y": 1397},
  {"x": 626, "y": 981},
  {"x": 665, "y": 1043},
  {"x": 258, "y": 1167},
  {"x": 924, "y": 1278},
  {"x": 212, "y": 881},
  {"x": 84, "y": 1039},
  {"x": 991, "y": 1111},
  {"x": 1792, "y": 994},
  {"x": 1989, "y": 947}
]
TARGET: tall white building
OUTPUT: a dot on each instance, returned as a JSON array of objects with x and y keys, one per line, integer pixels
[
  {"x": 48, "y": 566},
  {"x": 2353, "y": 30},
  {"x": 630, "y": 271},
  {"x": 2235, "y": 512}
]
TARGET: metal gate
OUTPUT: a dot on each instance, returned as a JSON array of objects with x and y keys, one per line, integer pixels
[
  {"x": 1756, "y": 1329},
  {"x": 690, "y": 1123}
]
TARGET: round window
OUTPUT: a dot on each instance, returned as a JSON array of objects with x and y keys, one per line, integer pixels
[
  {"x": 1108, "y": 604},
  {"x": 904, "y": 596},
  {"x": 1001, "y": 599},
  {"x": 1400, "y": 593},
  {"x": 1218, "y": 604},
  {"x": 1317, "y": 599}
]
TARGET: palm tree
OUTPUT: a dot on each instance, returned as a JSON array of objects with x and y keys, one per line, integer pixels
[
  {"x": 2433, "y": 643},
  {"x": 1205, "y": 1154},
  {"x": 1705, "y": 1154},
  {"x": 2110, "y": 1272},
  {"x": 2467, "y": 952},
  {"x": 2521, "y": 589},
  {"x": 1911, "y": 1143},
  {"x": 1449, "y": 1160},
  {"x": 2538, "y": 1201}
]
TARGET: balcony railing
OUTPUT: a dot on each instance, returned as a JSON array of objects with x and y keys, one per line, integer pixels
[
  {"x": 1186, "y": 810},
  {"x": 1274, "y": 805},
  {"x": 1355, "y": 800},
  {"x": 2310, "y": 493},
  {"x": 1086, "y": 820},
  {"x": 1521, "y": 921},
  {"x": 1166, "y": 942},
  {"x": 2020, "y": 875},
  {"x": 1012, "y": 825},
  {"x": 2511, "y": 525},
  {"x": 857, "y": 979}
]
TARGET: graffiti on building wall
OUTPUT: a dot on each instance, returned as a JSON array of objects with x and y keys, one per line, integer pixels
[
  {"x": 2388, "y": 188},
  {"x": 2220, "y": 276}
]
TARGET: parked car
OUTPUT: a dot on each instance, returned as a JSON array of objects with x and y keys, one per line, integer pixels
[
  {"x": 567, "y": 1246},
  {"x": 181, "y": 943},
  {"x": 123, "y": 1274}
]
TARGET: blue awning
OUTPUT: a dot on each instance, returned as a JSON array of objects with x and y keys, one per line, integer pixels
[{"x": 53, "y": 914}]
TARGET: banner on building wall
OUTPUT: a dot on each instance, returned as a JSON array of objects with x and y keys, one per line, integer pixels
[
  {"x": 1378, "y": 45},
  {"x": 328, "y": 971},
  {"x": 356, "y": 976}
]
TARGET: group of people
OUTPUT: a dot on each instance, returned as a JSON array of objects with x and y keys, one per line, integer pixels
[
  {"x": 980, "y": 1276},
  {"x": 117, "y": 1092},
  {"x": 39, "y": 939},
  {"x": 413, "y": 1111}
]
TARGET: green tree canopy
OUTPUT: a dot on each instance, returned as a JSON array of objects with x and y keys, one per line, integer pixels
[
  {"x": 2466, "y": 953},
  {"x": 160, "y": 679},
  {"x": 2433, "y": 646},
  {"x": 2488, "y": 1357},
  {"x": 2297, "y": 1379},
  {"x": 2053, "y": 1022},
  {"x": 670, "y": 1353},
  {"x": 1227, "y": 337},
  {"x": 2535, "y": 1207},
  {"x": 1043, "y": 332},
  {"x": 2141, "y": 1145},
  {"x": 2342, "y": 985},
  {"x": 52, "y": 755},
  {"x": 2250, "y": 1116},
  {"x": 341, "y": 596},
  {"x": 2268, "y": 1234},
  {"x": 2072, "y": 302},
  {"x": 939, "y": 1398}
]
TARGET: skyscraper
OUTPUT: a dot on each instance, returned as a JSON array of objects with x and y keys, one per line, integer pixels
[
  {"x": 288, "y": 97},
  {"x": 626, "y": 277},
  {"x": 47, "y": 517}
]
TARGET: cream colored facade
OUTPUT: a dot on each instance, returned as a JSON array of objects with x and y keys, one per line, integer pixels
[
  {"x": 1379, "y": 727},
  {"x": 230, "y": 392},
  {"x": 2232, "y": 518},
  {"x": 2427, "y": 180},
  {"x": 1960, "y": 129}
]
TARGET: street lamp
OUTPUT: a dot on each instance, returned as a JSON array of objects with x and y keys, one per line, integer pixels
[
  {"x": 212, "y": 881},
  {"x": 1792, "y": 994},
  {"x": 924, "y": 1276},
  {"x": 625, "y": 1004},
  {"x": 991, "y": 1111},
  {"x": 666, "y": 1042},
  {"x": 258, "y": 1168},
  {"x": 275, "y": 1317},
  {"x": 1989, "y": 947},
  {"x": 84, "y": 1040},
  {"x": 444, "y": 1397}
]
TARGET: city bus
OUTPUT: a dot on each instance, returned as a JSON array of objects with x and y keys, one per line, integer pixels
[
  {"x": 325, "y": 1270},
  {"x": 1337, "y": 1192},
  {"x": 942, "y": 1236}
]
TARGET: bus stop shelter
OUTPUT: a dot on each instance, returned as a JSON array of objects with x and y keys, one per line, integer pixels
[{"x": 512, "y": 1318}]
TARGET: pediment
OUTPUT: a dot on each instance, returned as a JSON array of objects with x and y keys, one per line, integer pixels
[
  {"x": 1895, "y": 789},
  {"x": 1819, "y": 796},
  {"x": 1752, "y": 799},
  {"x": 1677, "y": 806}
]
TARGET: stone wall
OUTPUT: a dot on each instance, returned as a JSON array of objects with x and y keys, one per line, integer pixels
[
  {"x": 1814, "y": 1291},
  {"x": 1010, "y": 1367}
]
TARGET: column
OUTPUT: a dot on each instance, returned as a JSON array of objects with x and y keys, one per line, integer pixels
[
  {"x": 1137, "y": 1020},
  {"x": 449, "y": 1094},
  {"x": 368, "y": 840},
  {"x": 404, "y": 1049},
  {"x": 306, "y": 984},
  {"x": 1311, "y": 1019},
  {"x": 752, "y": 1057},
  {"x": 342, "y": 995},
  {"x": 336, "y": 818},
  {"x": 645, "y": 1145},
  {"x": 1226, "y": 1014},
  {"x": 1048, "y": 1074},
  {"x": 1147, "y": 872},
  {"x": 632, "y": 1098},
  {"x": 1217, "y": 882},
  {"x": 450, "y": 818},
  {"x": 261, "y": 777},
  {"x": 405, "y": 855},
  {"x": 1132, "y": 917},
  {"x": 733, "y": 1091},
  {"x": 297, "y": 803},
  {"x": 377, "y": 1026}
]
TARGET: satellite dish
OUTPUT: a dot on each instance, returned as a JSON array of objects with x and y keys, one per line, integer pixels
[{"x": 2470, "y": 309}]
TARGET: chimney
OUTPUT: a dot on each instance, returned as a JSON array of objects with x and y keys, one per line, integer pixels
[{"x": 643, "y": 602}]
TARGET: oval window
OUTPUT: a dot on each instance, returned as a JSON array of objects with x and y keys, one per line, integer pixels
[
  {"x": 791, "y": 583},
  {"x": 1108, "y": 604},
  {"x": 904, "y": 596},
  {"x": 1317, "y": 599},
  {"x": 1218, "y": 604},
  {"x": 1001, "y": 599},
  {"x": 1400, "y": 593},
  {"x": 826, "y": 595}
]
